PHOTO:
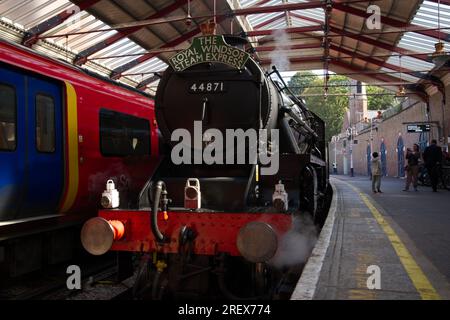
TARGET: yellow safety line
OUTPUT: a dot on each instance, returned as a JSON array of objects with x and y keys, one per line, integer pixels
[
  {"x": 72, "y": 141},
  {"x": 415, "y": 273}
]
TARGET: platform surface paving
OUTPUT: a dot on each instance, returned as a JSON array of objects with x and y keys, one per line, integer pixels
[{"x": 365, "y": 237}]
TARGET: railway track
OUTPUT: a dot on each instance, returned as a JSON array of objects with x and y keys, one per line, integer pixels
[
  {"x": 98, "y": 286},
  {"x": 51, "y": 284}
]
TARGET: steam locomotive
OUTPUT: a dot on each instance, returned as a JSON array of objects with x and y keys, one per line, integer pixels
[{"x": 210, "y": 221}]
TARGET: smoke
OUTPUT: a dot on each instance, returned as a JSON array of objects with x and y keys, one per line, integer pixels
[
  {"x": 279, "y": 57},
  {"x": 296, "y": 245}
]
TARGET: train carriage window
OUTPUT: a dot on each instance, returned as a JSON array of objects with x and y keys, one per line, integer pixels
[
  {"x": 45, "y": 123},
  {"x": 8, "y": 118},
  {"x": 123, "y": 135}
]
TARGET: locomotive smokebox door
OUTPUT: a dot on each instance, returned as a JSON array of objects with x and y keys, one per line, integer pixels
[{"x": 192, "y": 194}]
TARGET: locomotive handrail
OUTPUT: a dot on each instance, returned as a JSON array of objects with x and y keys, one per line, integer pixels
[
  {"x": 291, "y": 113},
  {"x": 292, "y": 96}
]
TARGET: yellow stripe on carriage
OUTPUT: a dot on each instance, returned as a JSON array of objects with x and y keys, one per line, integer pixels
[{"x": 72, "y": 147}]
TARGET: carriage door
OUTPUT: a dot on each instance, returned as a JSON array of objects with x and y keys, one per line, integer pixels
[
  {"x": 12, "y": 143},
  {"x": 44, "y": 167}
]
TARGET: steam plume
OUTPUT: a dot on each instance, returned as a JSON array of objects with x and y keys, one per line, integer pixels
[
  {"x": 297, "y": 244},
  {"x": 279, "y": 57}
]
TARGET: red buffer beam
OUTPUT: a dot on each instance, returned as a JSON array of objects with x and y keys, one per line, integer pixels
[
  {"x": 32, "y": 35},
  {"x": 82, "y": 57}
]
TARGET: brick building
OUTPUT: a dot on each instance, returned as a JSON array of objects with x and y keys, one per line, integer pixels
[{"x": 388, "y": 135}]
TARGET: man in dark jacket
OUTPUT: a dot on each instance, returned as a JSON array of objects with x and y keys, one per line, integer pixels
[{"x": 433, "y": 160}]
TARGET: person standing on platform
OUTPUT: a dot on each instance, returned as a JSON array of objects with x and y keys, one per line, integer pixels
[
  {"x": 412, "y": 169},
  {"x": 376, "y": 173},
  {"x": 433, "y": 160}
]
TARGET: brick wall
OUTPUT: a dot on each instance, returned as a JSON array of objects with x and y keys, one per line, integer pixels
[{"x": 388, "y": 131}]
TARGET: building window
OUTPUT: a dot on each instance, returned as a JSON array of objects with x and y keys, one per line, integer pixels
[
  {"x": 45, "y": 123},
  {"x": 8, "y": 118},
  {"x": 123, "y": 135},
  {"x": 359, "y": 87}
]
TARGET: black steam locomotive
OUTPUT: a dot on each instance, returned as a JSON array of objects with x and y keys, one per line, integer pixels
[
  {"x": 215, "y": 214},
  {"x": 224, "y": 97}
]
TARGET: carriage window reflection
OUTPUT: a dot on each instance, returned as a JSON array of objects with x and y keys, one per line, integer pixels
[
  {"x": 8, "y": 118},
  {"x": 45, "y": 123},
  {"x": 122, "y": 135}
]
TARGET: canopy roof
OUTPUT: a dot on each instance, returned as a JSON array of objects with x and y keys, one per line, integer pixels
[{"x": 307, "y": 34}]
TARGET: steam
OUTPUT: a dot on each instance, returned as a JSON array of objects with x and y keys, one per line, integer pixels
[
  {"x": 296, "y": 245},
  {"x": 279, "y": 57}
]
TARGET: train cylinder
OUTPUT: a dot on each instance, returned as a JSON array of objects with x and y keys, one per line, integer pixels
[{"x": 98, "y": 234}]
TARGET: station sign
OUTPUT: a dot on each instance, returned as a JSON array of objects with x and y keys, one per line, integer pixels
[
  {"x": 418, "y": 128},
  {"x": 210, "y": 48}
]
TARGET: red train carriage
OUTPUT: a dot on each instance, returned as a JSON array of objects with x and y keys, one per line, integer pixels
[{"x": 63, "y": 134}]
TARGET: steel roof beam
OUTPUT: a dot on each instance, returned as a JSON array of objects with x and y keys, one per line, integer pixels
[
  {"x": 81, "y": 58},
  {"x": 300, "y": 16},
  {"x": 446, "y": 2},
  {"x": 289, "y": 47},
  {"x": 424, "y": 76},
  {"x": 144, "y": 83},
  {"x": 379, "y": 44},
  {"x": 32, "y": 35},
  {"x": 269, "y": 21},
  {"x": 278, "y": 8},
  {"x": 268, "y": 32},
  {"x": 391, "y": 22},
  {"x": 369, "y": 59},
  {"x": 297, "y": 60},
  {"x": 390, "y": 81},
  {"x": 381, "y": 77},
  {"x": 260, "y": 3},
  {"x": 117, "y": 73}
]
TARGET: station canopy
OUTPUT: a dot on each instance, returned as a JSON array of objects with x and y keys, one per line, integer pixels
[{"x": 131, "y": 41}]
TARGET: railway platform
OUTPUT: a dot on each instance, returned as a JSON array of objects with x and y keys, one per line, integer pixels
[{"x": 387, "y": 246}]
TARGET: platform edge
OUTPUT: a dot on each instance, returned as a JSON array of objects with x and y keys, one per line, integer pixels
[{"x": 307, "y": 284}]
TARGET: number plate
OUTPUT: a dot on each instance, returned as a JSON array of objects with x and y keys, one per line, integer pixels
[{"x": 207, "y": 87}]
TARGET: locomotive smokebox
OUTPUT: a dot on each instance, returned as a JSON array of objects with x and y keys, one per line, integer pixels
[{"x": 215, "y": 93}]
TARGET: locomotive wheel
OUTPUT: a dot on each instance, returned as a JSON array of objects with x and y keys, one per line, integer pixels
[{"x": 307, "y": 203}]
